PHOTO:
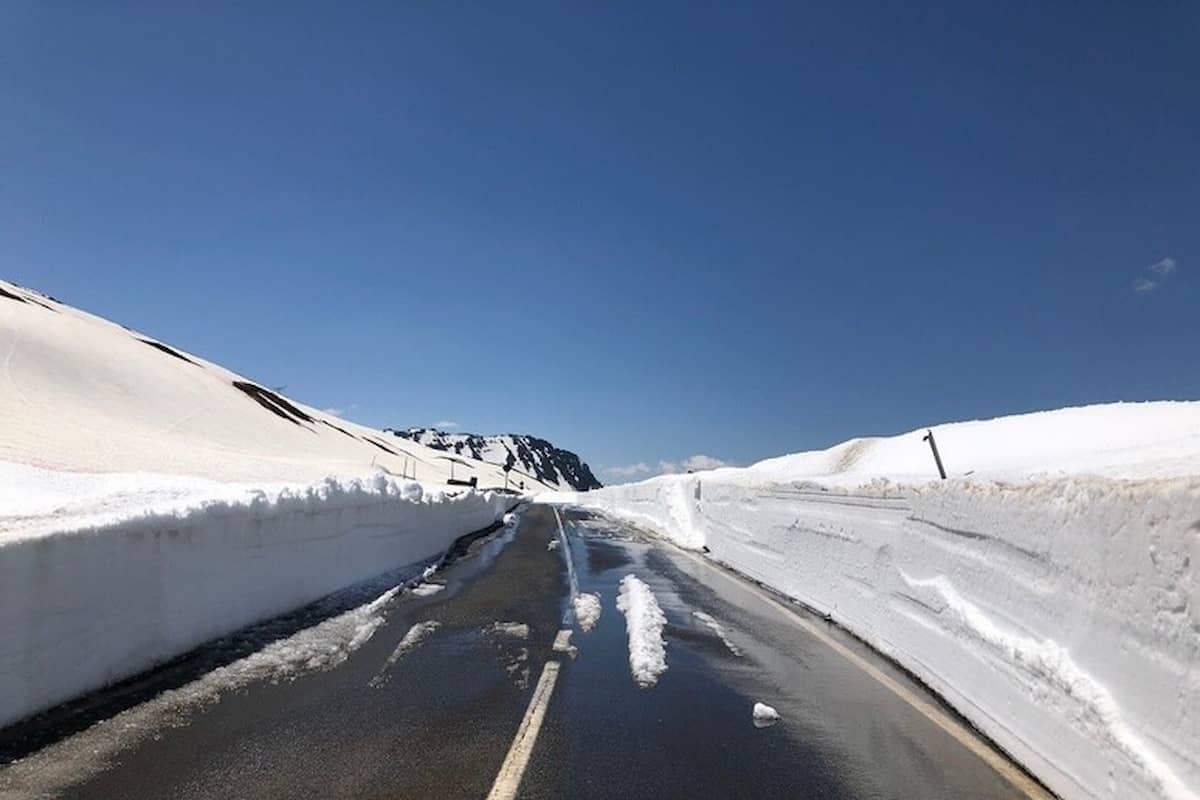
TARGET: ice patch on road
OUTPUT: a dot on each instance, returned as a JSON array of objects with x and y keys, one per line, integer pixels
[
  {"x": 587, "y": 610},
  {"x": 518, "y": 668},
  {"x": 718, "y": 629},
  {"x": 552, "y": 544},
  {"x": 764, "y": 715},
  {"x": 516, "y": 661},
  {"x": 416, "y": 634},
  {"x": 427, "y": 589},
  {"x": 321, "y": 647},
  {"x": 644, "y": 622},
  {"x": 606, "y": 528}
]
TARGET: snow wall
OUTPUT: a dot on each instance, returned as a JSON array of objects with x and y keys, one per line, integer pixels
[
  {"x": 1060, "y": 617},
  {"x": 81, "y": 609}
]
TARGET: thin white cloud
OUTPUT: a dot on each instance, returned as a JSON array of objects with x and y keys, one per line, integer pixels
[
  {"x": 337, "y": 412},
  {"x": 627, "y": 471},
  {"x": 696, "y": 463},
  {"x": 445, "y": 423},
  {"x": 701, "y": 461},
  {"x": 1163, "y": 268},
  {"x": 1159, "y": 271}
]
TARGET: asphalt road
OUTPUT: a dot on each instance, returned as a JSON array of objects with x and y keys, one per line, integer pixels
[{"x": 409, "y": 696}]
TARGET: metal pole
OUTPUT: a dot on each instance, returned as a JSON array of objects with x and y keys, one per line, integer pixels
[{"x": 936, "y": 456}]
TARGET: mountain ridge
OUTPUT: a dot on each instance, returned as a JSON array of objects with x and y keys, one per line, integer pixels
[{"x": 533, "y": 454}]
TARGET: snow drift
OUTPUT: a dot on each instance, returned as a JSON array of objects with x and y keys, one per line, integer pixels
[
  {"x": 151, "y": 501},
  {"x": 1051, "y": 596},
  {"x": 644, "y": 623}
]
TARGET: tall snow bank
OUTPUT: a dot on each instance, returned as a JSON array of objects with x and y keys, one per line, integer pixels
[
  {"x": 88, "y": 600},
  {"x": 1052, "y": 600}
]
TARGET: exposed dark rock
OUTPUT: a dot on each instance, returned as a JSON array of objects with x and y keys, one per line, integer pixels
[
  {"x": 168, "y": 350},
  {"x": 380, "y": 445},
  {"x": 339, "y": 429},
  {"x": 11, "y": 296},
  {"x": 273, "y": 402},
  {"x": 31, "y": 297}
]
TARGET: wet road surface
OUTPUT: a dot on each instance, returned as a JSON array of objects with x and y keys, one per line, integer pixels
[{"x": 420, "y": 694}]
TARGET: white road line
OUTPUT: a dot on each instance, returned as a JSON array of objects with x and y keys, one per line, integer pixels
[
  {"x": 513, "y": 768},
  {"x": 950, "y": 725}
]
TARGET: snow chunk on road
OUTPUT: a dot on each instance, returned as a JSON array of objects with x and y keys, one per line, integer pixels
[
  {"x": 427, "y": 589},
  {"x": 416, "y": 634},
  {"x": 587, "y": 610},
  {"x": 321, "y": 647},
  {"x": 644, "y": 622},
  {"x": 517, "y": 630},
  {"x": 411, "y": 641},
  {"x": 764, "y": 715},
  {"x": 718, "y": 629},
  {"x": 562, "y": 642}
]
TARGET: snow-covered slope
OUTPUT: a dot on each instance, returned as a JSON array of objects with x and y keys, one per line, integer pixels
[
  {"x": 1115, "y": 440},
  {"x": 1048, "y": 590},
  {"x": 529, "y": 454},
  {"x": 151, "y": 500},
  {"x": 80, "y": 393}
]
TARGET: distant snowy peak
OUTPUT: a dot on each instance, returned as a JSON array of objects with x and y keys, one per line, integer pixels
[{"x": 529, "y": 454}]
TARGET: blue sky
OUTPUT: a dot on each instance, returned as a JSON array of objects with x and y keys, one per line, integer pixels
[{"x": 645, "y": 231}]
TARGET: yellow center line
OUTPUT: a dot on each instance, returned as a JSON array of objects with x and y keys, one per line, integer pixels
[{"x": 508, "y": 780}]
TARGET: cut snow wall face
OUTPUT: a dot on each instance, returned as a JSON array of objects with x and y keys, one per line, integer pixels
[
  {"x": 81, "y": 610},
  {"x": 1061, "y": 618}
]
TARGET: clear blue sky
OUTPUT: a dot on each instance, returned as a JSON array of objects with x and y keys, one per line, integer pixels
[{"x": 642, "y": 230}]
